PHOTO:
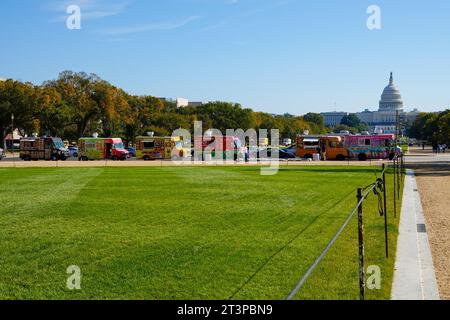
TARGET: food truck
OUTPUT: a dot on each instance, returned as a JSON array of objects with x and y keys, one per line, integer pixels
[
  {"x": 160, "y": 148},
  {"x": 46, "y": 148},
  {"x": 307, "y": 146},
  {"x": 328, "y": 147},
  {"x": 229, "y": 148},
  {"x": 364, "y": 147},
  {"x": 101, "y": 149},
  {"x": 361, "y": 147}
]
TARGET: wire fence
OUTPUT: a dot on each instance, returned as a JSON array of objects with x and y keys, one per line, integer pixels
[{"x": 378, "y": 188}]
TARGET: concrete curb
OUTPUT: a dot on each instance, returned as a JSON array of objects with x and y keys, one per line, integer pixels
[{"x": 414, "y": 276}]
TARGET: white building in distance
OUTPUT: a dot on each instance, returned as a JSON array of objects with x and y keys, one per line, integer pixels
[
  {"x": 332, "y": 119},
  {"x": 183, "y": 103}
]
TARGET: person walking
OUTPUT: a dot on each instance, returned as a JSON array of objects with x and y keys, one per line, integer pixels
[{"x": 435, "y": 147}]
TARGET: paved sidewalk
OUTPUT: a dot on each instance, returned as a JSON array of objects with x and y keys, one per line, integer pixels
[{"x": 414, "y": 275}]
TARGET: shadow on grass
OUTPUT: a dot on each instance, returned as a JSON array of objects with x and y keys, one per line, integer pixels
[
  {"x": 303, "y": 230},
  {"x": 323, "y": 169}
]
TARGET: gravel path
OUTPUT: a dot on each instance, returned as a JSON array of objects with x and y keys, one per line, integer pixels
[{"x": 433, "y": 181}]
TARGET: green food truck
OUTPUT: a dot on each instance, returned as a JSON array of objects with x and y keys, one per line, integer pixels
[{"x": 101, "y": 149}]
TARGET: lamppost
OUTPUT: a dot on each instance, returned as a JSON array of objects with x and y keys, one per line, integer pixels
[{"x": 12, "y": 137}]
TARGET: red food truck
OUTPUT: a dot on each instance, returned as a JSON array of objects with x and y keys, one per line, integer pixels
[{"x": 229, "y": 148}]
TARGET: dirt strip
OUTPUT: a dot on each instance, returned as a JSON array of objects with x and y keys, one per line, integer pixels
[{"x": 433, "y": 181}]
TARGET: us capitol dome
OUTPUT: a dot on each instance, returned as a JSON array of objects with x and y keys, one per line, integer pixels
[
  {"x": 391, "y": 99},
  {"x": 383, "y": 120}
]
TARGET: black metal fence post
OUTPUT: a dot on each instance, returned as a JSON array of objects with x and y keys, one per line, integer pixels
[
  {"x": 402, "y": 166},
  {"x": 385, "y": 211},
  {"x": 398, "y": 178},
  {"x": 361, "y": 245},
  {"x": 395, "y": 187}
]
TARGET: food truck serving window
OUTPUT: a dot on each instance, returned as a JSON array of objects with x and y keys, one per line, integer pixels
[
  {"x": 311, "y": 142},
  {"x": 90, "y": 145},
  {"x": 364, "y": 142},
  {"x": 149, "y": 144}
]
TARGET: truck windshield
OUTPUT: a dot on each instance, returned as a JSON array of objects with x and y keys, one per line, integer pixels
[
  {"x": 118, "y": 146},
  {"x": 58, "y": 144}
]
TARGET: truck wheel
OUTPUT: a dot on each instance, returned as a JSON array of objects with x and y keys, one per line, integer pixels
[
  {"x": 340, "y": 157},
  {"x": 84, "y": 158},
  {"x": 114, "y": 158},
  {"x": 146, "y": 158},
  {"x": 63, "y": 158},
  {"x": 391, "y": 156},
  {"x": 362, "y": 157},
  {"x": 54, "y": 158},
  {"x": 308, "y": 156}
]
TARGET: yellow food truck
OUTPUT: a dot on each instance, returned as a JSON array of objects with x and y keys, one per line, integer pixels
[{"x": 160, "y": 148}]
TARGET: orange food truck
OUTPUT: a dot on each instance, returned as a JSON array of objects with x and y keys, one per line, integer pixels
[{"x": 328, "y": 147}]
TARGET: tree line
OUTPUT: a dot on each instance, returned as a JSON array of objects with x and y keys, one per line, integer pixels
[
  {"x": 432, "y": 127},
  {"x": 76, "y": 105}
]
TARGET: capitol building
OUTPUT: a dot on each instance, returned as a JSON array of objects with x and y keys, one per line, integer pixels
[{"x": 383, "y": 120}]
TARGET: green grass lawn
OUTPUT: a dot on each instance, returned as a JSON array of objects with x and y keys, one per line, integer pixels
[{"x": 186, "y": 233}]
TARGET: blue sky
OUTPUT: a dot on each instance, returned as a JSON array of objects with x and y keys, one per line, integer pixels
[{"x": 277, "y": 56}]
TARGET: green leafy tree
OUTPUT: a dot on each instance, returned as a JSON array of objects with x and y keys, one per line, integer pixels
[
  {"x": 354, "y": 123},
  {"x": 19, "y": 99},
  {"x": 78, "y": 91}
]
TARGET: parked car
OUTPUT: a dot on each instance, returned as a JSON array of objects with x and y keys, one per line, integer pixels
[
  {"x": 2, "y": 154},
  {"x": 132, "y": 151},
  {"x": 73, "y": 150},
  {"x": 285, "y": 154},
  {"x": 282, "y": 154},
  {"x": 290, "y": 149}
]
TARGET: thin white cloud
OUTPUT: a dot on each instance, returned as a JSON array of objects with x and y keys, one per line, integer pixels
[{"x": 148, "y": 27}]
